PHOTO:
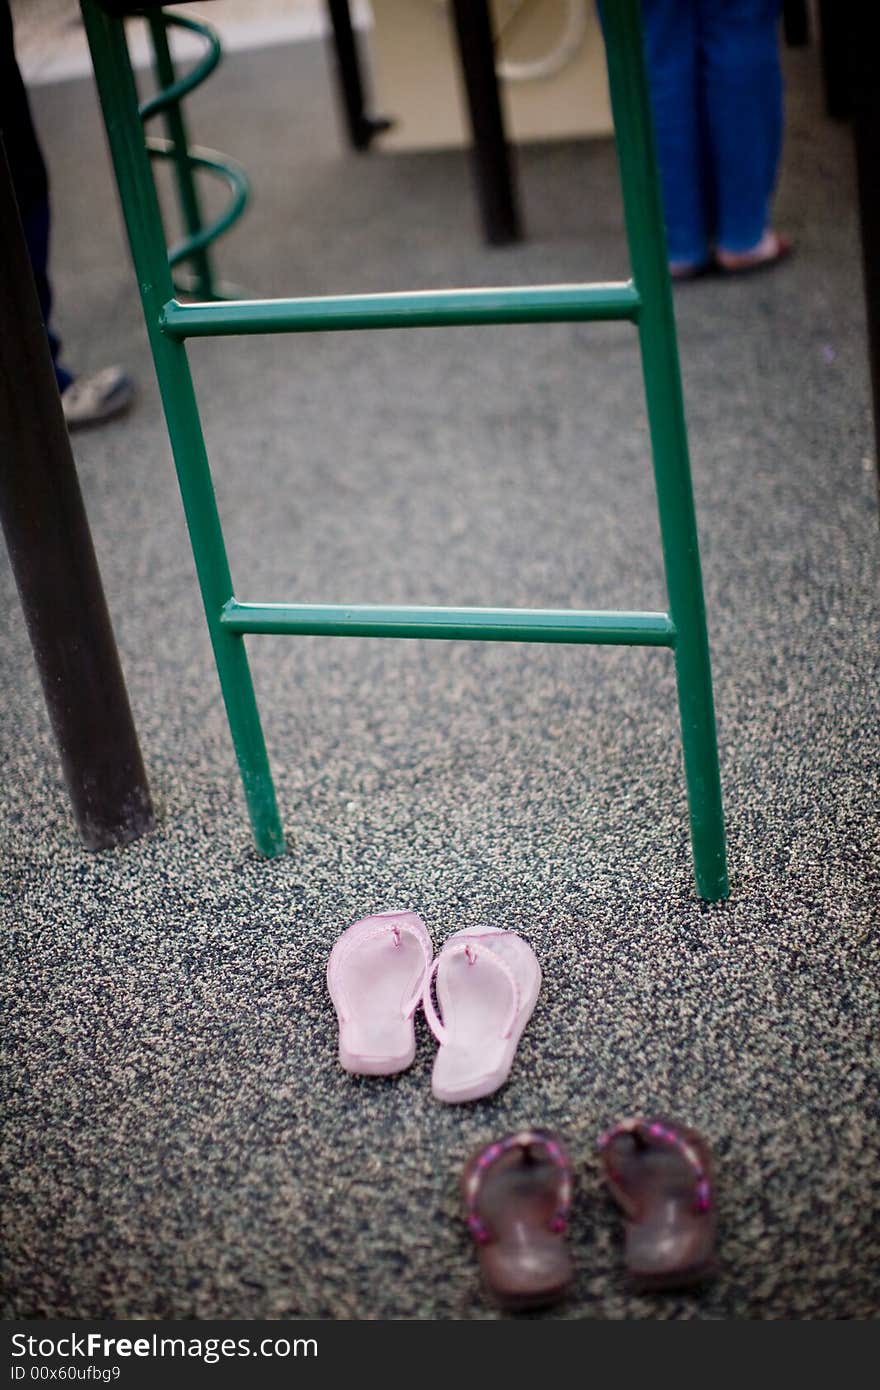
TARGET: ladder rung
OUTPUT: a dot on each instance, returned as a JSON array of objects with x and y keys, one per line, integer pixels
[
  {"x": 474, "y": 624},
  {"x": 419, "y": 309}
]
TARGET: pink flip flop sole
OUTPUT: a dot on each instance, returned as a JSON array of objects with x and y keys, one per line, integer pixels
[
  {"x": 375, "y": 976},
  {"x": 488, "y": 981}
]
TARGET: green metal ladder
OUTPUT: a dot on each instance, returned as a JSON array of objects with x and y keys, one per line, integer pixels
[{"x": 645, "y": 300}]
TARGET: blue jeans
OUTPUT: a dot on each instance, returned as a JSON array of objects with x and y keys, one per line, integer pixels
[{"x": 716, "y": 92}]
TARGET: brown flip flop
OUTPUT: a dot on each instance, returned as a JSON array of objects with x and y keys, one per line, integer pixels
[
  {"x": 517, "y": 1194},
  {"x": 661, "y": 1173}
]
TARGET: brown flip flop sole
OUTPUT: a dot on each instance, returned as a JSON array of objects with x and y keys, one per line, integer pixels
[
  {"x": 517, "y": 1194},
  {"x": 661, "y": 1174}
]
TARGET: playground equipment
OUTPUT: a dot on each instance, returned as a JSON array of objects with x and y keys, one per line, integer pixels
[
  {"x": 192, "y": 251},
  {"x": 645, "y": 301}
]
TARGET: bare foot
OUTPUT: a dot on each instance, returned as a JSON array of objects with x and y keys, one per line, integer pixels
[{"x": 772, "y": 248}]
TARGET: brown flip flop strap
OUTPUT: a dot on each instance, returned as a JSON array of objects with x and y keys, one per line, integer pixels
[
  {"x": 645, "y": 1130},
  {"x": 522, "y": 1139}
]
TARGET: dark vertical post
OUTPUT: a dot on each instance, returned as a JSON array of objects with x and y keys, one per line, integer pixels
[
  {"x": 863, "y": 82},
  {"x": 361, "y": 126},
  {"x": 53, "y": 560},
  {"x": 850, "y": 38},
  {"x": 796, "y": 23},
  {"x": 867, "y": 134},
  {"x": 492, "y": 161},
  {"x": 834, "y": 20}
]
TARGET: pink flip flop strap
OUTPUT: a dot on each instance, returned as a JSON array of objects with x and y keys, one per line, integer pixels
[
  {"x": 395, "y": 923},
  {"x": 671, "y": 1136},
  {"x": 523, "y": 1139},
  {"x": 461, "y": 945}
]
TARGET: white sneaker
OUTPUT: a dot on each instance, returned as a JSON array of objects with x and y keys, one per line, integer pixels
[{"x": 90, "y": 399}]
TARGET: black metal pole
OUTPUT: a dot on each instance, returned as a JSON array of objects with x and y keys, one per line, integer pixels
[
  {"x": 835, "y": 18},
  {"x": 53, "y": 560},
  {"x": 362, "y": 127},
  {"x": 867, "y": 141},
  {"x": 493, "y": 164},
  {"x": 863, "y": 70},
  {"x": 796, "y": 23},
  {"x": 850, "y": 32}
]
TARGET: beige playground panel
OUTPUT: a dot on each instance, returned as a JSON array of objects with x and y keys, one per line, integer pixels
[{"x": 415, "y": 79}]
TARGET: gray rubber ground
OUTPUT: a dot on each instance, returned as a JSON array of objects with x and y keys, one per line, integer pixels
[{"x": 181, "y": 1140}]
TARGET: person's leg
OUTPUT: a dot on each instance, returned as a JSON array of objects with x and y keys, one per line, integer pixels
[
  {"x": 28, "y": 175},
  {"x": 36, "y": 233},
  {"x": 742, "y": 86},
  {"x": 85, "y": 400},
  {"x": 672, "y": 61}
]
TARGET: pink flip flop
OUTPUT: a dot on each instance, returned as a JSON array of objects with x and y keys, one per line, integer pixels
[
  {"x": 487, "y": 987},
  {"x": 375, "y": 975}
]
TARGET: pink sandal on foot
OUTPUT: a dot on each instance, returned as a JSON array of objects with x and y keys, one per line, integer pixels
[
  {"x": 375, "y": 975},
  {"x": 488, "y": 982}
]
